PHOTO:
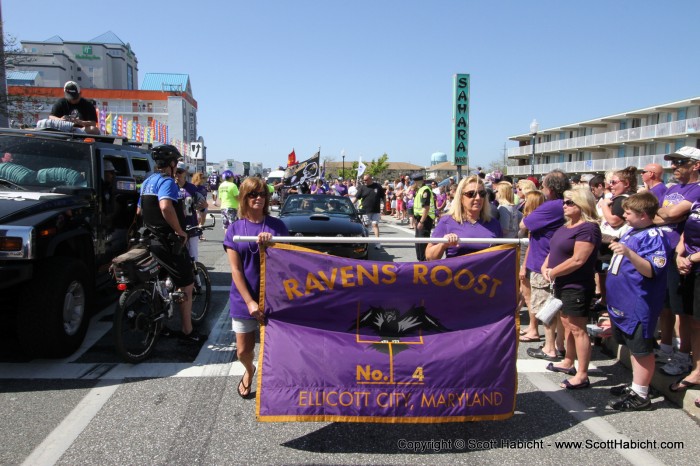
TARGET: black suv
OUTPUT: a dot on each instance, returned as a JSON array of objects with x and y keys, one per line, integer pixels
[{"x": 62, "y": 220}]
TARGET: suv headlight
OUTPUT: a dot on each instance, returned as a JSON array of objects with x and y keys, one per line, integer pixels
[{"x": 16, "y": 242}]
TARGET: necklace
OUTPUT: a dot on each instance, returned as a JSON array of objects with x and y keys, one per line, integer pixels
[{"x": 245, "y": 233}]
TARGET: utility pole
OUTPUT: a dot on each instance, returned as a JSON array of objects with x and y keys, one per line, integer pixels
[{"x": 3, "y": 78}]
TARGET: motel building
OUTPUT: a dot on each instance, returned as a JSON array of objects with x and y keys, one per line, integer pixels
[
  {"x": 106, "y": 69},
  {"x": 633, "y": 138}
]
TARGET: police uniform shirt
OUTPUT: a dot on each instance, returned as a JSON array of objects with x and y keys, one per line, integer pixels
[{"x": 154, "y": 189}]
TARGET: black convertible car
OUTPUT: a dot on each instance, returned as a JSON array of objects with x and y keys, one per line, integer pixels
[{"x": 325, "y": 215}]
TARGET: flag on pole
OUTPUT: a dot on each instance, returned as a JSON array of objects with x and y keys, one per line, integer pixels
[
  {"x": 308, "y": 170},
  {"x": 108, "y": 125},
  {"x": 291, "y": 159},
  {"x": 361, "y": 168}
]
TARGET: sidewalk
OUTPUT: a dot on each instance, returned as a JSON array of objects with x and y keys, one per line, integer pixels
[{"x": 660, "y": 382}]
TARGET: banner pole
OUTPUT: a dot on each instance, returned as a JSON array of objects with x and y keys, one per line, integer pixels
[{"x": 373, "y": 240}]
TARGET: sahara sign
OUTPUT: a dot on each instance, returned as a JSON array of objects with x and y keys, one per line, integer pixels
[{"x": 460, "y": 131}]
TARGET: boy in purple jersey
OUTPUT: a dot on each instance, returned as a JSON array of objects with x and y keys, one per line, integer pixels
[{"x": 635, "y": 284}]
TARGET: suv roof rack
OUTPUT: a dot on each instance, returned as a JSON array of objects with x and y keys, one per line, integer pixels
[{"x": 55, "y": 134}]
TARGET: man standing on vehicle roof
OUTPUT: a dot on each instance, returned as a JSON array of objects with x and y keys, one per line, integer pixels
[
  {"x": 164, "y": 216},
  {"x": 79, "y": 111}
]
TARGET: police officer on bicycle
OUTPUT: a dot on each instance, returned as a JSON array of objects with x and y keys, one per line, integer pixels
[{"x": 163, "y": 216}]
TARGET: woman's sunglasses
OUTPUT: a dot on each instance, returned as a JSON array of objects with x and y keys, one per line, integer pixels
[
  {"x": 473, "y": 193},
  {"x": 569, "y": 203},
  {"x": 254, "y": 194}
]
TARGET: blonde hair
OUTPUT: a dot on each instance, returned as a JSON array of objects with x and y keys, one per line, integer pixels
[
  {"x": 533, "y": 199},
  {"x": 198, "y": 179},
  {"x": 456, "y": 210},
  {"x": 504, "y": 193},
  {"x": 583, "y": 198},
  {"x": 526, "y": 186}
]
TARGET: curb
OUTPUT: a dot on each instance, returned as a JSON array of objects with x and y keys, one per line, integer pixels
[{"x": 660, "y": 381}]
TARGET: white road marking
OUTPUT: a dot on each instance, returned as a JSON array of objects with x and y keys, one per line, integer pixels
[
  {"x": 592, "y": 421},
  {"x": 62, "y": 437}
]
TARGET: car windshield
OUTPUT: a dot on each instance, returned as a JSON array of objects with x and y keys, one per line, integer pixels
[
  {"x": 315, "y": 204},
  {"x": 40, "y": 164}
]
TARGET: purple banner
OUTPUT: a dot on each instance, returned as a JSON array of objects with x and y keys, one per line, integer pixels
[{"x": 363, "y": 341}]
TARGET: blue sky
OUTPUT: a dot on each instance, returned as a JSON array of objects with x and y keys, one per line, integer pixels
[{"x": 374, "y": 77}]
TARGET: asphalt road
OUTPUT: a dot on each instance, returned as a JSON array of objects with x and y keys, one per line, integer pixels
[{"x": 181, "y": 407}]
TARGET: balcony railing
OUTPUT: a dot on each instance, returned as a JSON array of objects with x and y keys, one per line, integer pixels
[
  {"x": 588, "y": 166},
  {"x": 680, "y": 128}
]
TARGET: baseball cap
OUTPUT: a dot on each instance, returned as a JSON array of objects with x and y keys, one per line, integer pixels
[
  {"x": 72, "y": 89},
  {"x": 108, "y": 167},
  {"x": 182, "y": 167},
  {"x": 686, "y": 153}
]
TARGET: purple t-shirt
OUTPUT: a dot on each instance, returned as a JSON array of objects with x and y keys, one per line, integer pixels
[
  {"x": 692, "y": 233},
  {"x": 659, "y": 191},
  {"x": 561, "y": 248},
  {"x": 250, "y": 258},
  {"x": 675, "y": 195},
  {"x": 479, "y": 229},
  {"x": 542, "y": 223}
]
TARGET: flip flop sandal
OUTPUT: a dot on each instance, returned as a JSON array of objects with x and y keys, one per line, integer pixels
[
  {"x": 524, "y": 339},
  {"x": 248, "y": 395},
  {"x": 682, "y": 385},
  {"x": 570, "y": 386},
  {"x": 570, "y": 371}
]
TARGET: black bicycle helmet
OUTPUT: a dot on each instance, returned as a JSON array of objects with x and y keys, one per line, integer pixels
[{"x": 164, "y": 154}]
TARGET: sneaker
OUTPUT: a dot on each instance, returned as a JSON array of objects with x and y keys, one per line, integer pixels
[
  {"x": 631, "y": 402},
  {"x": 621, "y": 390},
  {"x": 680, "y": 364},
  {"x": 193, "y": 337},
  {"x": 377, "y": 246}
]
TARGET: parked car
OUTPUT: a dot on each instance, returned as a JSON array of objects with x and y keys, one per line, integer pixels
[
  {"x": 62, "y": 221},
  {"x": 325, "y": 215}
]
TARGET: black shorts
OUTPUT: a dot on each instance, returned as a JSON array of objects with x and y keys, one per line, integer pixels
[
  {"x": 575, "y": 302},
  {"x": 690, "y": 290},
  {"x": 636, "y": 343},
  {"x": 179, "y": 266}
]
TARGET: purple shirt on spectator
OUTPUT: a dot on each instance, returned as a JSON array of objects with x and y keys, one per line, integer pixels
[
  {"x": 479, "y": 229},
  {"x": 659, "y": 191},
  {"x": 675, "y": 195},
  {"x": 250, "y": 258},
  {"x": 542, "y": 223},
  {"x": 561, "y": 248},
  {"x": 692, "y": 233}
]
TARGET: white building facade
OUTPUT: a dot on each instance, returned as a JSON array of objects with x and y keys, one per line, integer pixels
[{"x": 633, "y": 138}]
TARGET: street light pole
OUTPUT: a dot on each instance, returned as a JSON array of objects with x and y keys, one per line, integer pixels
[
  {"x": 342, "y": 154},
  {"x": 534, "y": 126}
]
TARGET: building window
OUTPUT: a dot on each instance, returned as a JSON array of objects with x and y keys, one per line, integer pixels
[{"x": 129, "y": 77}]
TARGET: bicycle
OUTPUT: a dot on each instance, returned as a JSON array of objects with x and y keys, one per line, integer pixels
[{"x": 147, "y": 298}]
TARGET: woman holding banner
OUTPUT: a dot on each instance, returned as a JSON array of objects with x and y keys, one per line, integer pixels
[
  {"x": 570, "y": 264},
  {"x": 469, "y": 217},
  {"x": 244, "y": 258}
]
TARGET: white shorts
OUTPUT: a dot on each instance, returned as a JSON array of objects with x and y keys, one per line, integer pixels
[
  {"x": 373, "y": 218},
  {"x": 244, "y": 325}
]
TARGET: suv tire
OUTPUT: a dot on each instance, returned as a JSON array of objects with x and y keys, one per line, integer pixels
[{"x": 56, "y": 317}]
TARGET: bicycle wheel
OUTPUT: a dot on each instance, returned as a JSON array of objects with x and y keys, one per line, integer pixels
[
  {"x": 136, "y": 327},
  {"x": 201, "y": 293}
]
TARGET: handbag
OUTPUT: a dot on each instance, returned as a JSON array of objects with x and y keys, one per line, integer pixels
[{"x": 549, "y": 309}]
